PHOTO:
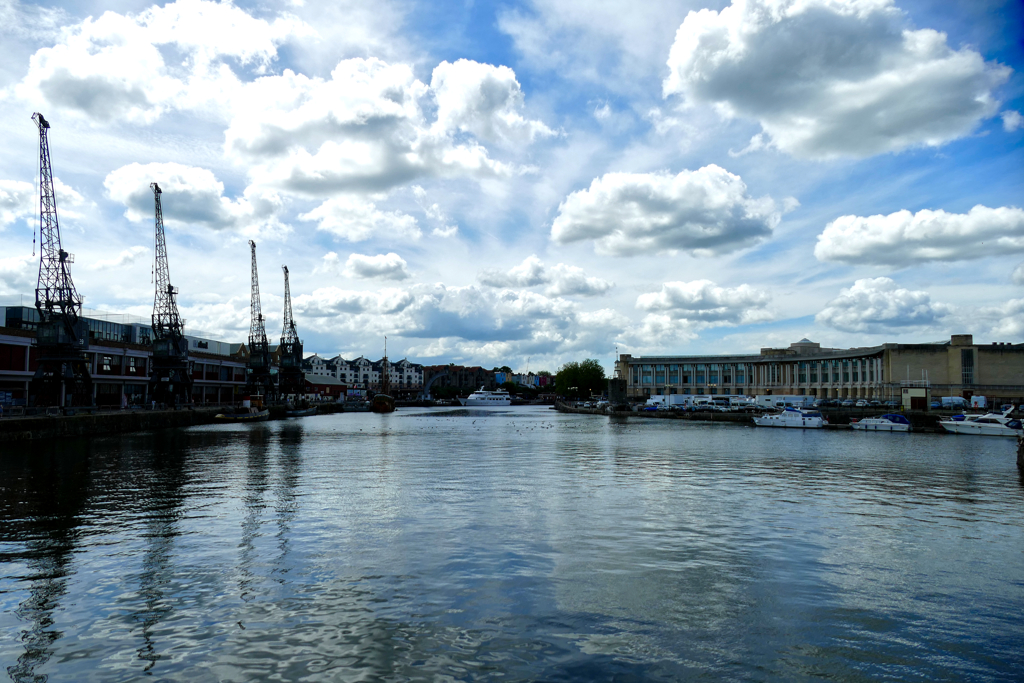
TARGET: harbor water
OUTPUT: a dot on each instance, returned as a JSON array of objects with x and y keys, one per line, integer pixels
[{"x": 513, "y": 544}]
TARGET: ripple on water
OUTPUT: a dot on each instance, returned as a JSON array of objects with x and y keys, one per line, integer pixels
[{"x": 518, "y": 543}]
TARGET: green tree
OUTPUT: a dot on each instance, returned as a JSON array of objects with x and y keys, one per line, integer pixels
[{"x": 580, "y": 379}]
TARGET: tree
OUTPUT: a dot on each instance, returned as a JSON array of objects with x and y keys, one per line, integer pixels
[
  {"x": 580, "y": 379},
  {"x": 543, "y": 373}
]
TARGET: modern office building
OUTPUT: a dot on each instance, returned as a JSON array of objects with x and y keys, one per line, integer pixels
[{"x": 957, "y": 367}]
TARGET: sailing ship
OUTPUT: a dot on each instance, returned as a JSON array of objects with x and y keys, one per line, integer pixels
[{"x": 383, "y": 402}]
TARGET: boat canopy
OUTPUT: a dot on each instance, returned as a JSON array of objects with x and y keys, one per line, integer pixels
[{"x": 898, "y": 419}]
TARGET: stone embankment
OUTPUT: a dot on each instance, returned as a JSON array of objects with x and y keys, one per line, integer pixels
[{"x": 100, "y": 423}]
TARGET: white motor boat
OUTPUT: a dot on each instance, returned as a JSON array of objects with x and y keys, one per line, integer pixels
[
  {"x": 990, "y": 424},
  {"x": 487, "y": 398},
  {"x": 890, "y": 422},
  {"x": 793, "y": 417}
]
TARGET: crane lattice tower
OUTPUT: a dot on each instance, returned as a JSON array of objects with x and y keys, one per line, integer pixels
[
  {"x": 170, "y": 381},
  {"x": 290, "y": 378},
  {"x": 259, "y": 379},
  {"x": 62, "y": 376}
]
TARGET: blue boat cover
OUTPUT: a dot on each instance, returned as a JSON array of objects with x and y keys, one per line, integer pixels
[{"x": 898, "y": 419}]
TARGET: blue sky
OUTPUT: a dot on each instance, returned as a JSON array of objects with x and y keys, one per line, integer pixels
[{"x": 492, "y": 182}]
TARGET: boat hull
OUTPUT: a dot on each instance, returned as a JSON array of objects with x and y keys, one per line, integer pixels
[
  {"x": 301, "y": 413},
  {"x": 880, "y": 427},
  {"x": 973, "y": 429},
  {"x": 261, "y": 416},
  {"x": 472, "y": 402},
  {"x": 804, "y": 423}
]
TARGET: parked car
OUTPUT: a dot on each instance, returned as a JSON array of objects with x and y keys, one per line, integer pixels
[
  {"x": 848, "y": 403},
  {"x": 892, "y": 404},
  {"x": 873, "y": 402},
  {"x": 935, "y": 405},
  {"x": 862, "y": 403}
]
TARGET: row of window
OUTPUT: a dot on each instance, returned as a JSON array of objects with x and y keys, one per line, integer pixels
[{"x": 836, "y": 370}]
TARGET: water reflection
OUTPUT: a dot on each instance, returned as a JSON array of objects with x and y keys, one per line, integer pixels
[
  {"x": 162, "y": 497},
  {"x": 523, "y": 545},
  {"x": 44, "y": 493}
]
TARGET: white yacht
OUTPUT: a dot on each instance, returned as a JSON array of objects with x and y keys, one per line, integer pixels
[
  {"x": 890, "y": 422},
  {"x": 990, "y": 424},
  {"x": 793, "y": 417},
  {"x": 487, "y": 398}
]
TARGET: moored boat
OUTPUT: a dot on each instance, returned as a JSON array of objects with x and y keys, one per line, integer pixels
[
  {"x": 796, "y": 418},
  {"x": 989, "y": 424},
  {"x": 382, "y": 403},
  {"x": 244, "y": 415},
  {"x": 487, "y": 398},
  {"x": 301, "y": 412},
  {"x": 890, "y": 422}
]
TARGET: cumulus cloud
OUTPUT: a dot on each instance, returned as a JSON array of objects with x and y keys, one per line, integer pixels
[
  {"x": 704, "y": 301},
  {"x": 190, "y": 196},
  {"x": 1012, "y": 120},
  {"x": 703, "y": 212},
  {"x": 529, "y": 273},
  {"x": 903, "y": 238},
  {"x": 126, "y": 257},
  {"x": 1017, "y": 276},
  {"x": 879, "y": 305},
  {"x": 483, "y": 100},
  {"x": 388, "y": 266},
  {"x": 366, "y": 127},
  {"x": 115, "y": 66},
  {"x": 356, "y": 220},
  {"x": 562, "y": 279},
  {"x": 826, "y": 78},
  {"x": 462, "y": 321},
  {"x": 17, "y": 200}
]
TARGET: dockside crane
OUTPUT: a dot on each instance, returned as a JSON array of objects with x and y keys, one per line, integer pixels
[
  {"x": 290, "y": 379},
  {"x": 62, "y": 377},
  {"x": 259, "y": 380},
  {"x": 170, "y": 379}
]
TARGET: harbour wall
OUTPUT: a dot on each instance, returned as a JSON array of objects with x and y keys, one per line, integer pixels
[{"x": 100, "y": 423}]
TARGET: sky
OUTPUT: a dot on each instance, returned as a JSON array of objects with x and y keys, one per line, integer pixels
[{"x": 530, "y": 183}]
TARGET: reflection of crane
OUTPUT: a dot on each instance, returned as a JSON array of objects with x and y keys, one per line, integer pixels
[
  {"x": 259, "y": 381},
  {"x": 62, "y": 377},
  {"x": 290, "y": 378},
  {"x": 170, "y": 381}
]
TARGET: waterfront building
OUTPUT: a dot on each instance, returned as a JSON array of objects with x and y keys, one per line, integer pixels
[
  {"x": 459, "y": 376},
  {"x": 119, "y": 356},
  {"x": 957, "y": 367}
]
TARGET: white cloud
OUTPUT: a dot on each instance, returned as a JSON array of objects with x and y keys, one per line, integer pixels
[
  {"x": 17, "y": 200},
  {"x": 190, "y": 196},
  {"x": 388, "y": 266},
  {"x": 562, "y": 279},
  {"x": 1006, "y": 320},
  {"x": 903, "y": 238},
  {"x": 702, "y": 301},
  {"x": 1012, "y": 120},
  {"x": 879, "y": 305},
  {"x": 572, "y": 280},
  {"x": 115, "y": 66},
  {"x": 443, "y": 226},
  {"x": 832, "y": 77},
  {"x": 620, "y": 47},
  {"x": 365, "y": 128},
  {"x": 356, "y": 220},
  {"x": 18, "y": 274},
  {"x": 703, "y": 212},
  {"x": 483, "y": 100},
  {"x": 1017, "y": 276},
  {"x": 126, "y": 257},
  {"x": 529, "y": 273},
  {"x": 462, "y": 321}
]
